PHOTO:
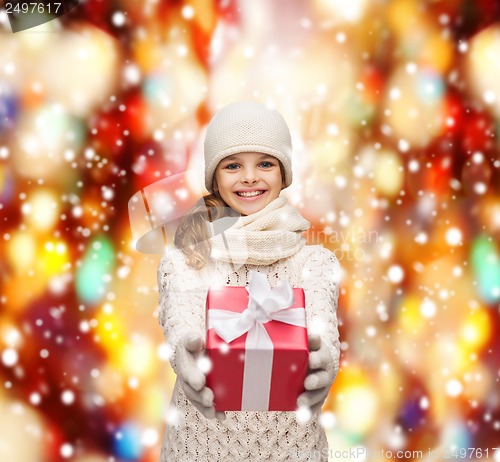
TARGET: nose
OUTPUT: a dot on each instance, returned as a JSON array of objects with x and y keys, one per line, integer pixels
[{"x": 249, "y": 176}]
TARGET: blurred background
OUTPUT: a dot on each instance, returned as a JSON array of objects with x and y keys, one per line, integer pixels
[{"x": 394, "y": 108}]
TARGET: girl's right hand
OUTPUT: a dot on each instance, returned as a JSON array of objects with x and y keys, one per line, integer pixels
[{"x": 193, "y": 379}]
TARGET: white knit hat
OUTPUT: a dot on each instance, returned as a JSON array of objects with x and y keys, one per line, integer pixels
[{"x": 247, "y": 127}]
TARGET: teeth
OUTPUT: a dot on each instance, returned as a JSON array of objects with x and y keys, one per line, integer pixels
[{"x": 250, "y": 193}]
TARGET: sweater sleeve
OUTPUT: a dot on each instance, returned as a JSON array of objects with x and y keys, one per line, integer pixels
[
  {"x": 181, "y": 305},
  {"x": 320, "y": 280}
]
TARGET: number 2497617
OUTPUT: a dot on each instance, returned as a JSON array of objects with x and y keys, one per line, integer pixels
[{"x": 32, "y": 7}]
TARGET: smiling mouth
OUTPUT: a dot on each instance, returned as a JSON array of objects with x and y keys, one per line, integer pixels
[{"x": 250, "y": 193}]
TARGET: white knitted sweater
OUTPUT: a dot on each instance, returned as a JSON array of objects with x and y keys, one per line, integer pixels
[{"x": 252, "y": 436}]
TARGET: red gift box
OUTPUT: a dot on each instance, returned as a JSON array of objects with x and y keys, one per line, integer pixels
[{"x": 264, "y": 368}]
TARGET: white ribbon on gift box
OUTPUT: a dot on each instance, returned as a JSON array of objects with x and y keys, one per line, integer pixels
[{"x": 264, "y": 304}]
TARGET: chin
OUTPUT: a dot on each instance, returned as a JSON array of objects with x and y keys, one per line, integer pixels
[{"x": 250, "y": 210}]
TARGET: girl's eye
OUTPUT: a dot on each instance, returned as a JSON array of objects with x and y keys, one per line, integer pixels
[
  {"x": 231, "y": 166},
  {"x": 234, "y": 166}
]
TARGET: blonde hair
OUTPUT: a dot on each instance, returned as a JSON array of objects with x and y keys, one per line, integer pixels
[{"x": 192, "y": 235}]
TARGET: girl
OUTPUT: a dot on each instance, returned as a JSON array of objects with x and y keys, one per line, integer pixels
[{"x": 247, "y": 163}]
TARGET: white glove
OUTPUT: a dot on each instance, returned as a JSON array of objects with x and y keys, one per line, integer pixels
[
  {"x": 192, "y": 378},
  {"x": 318, "y": 380}
]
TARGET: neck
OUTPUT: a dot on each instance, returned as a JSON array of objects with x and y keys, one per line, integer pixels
[{"x": 263, "y": 237}]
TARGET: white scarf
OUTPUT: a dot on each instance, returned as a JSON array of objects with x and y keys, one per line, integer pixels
[{"x": 263, "y": 237}]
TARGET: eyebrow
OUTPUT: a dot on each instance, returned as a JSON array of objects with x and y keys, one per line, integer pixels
[{"x": 262, "y": 156}]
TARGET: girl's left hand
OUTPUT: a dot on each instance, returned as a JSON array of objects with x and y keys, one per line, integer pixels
[{"x": 320, "y": 377}]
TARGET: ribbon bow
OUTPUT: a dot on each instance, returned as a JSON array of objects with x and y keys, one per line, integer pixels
[{"x": 264, "y": 304}]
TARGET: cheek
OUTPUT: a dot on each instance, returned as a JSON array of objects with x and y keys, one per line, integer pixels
[
  {"x": 219, "y": 179},
  {"x": 276, "y": 181},
  {"x": 223, "y": 184}
]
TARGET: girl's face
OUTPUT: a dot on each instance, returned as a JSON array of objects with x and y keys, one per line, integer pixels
[{"x": 248, "y": 181}]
